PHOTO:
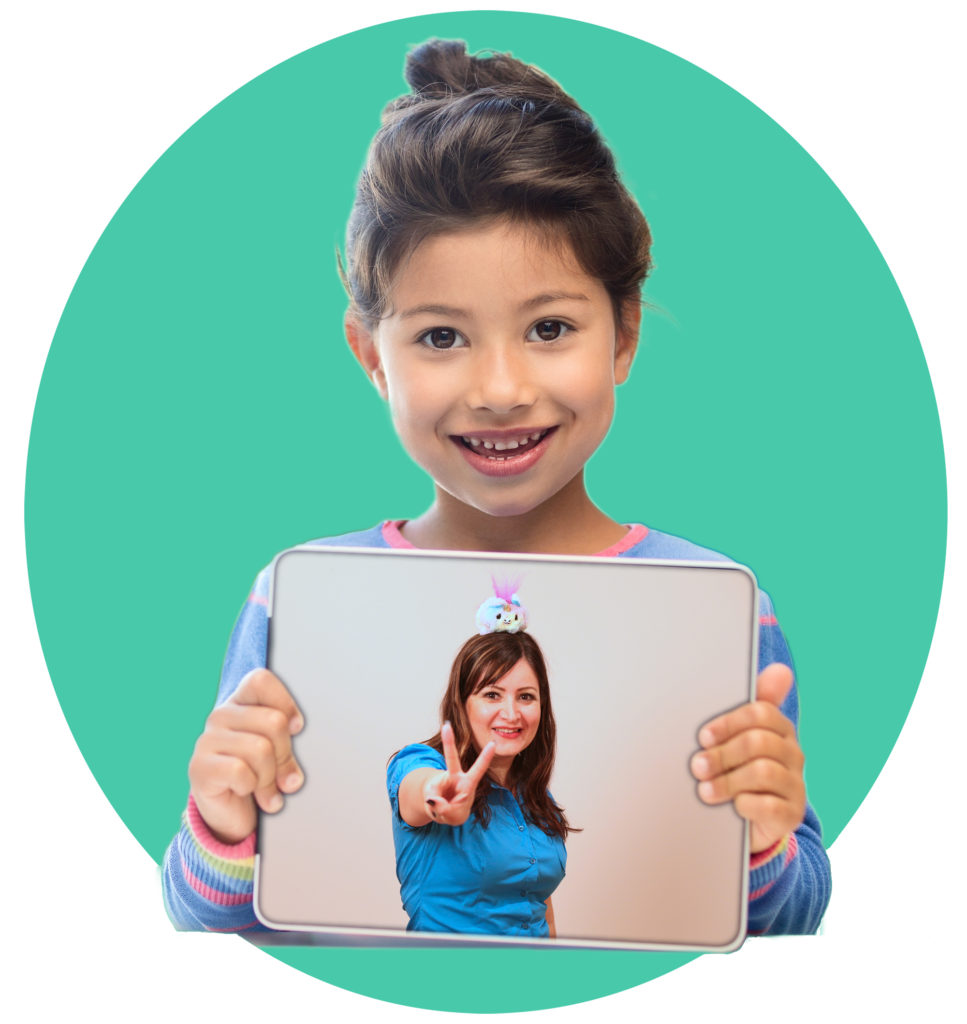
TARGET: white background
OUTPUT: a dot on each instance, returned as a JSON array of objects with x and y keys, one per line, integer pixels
[{"x": 93, "y": 93}]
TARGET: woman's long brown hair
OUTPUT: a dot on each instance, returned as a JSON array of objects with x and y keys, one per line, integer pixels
[{"x": 480, "y": 663}]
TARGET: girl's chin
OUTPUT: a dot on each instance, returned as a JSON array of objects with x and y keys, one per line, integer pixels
[
  {"x": 500, "y": 499},
  {"x": 503, "y": 506}
]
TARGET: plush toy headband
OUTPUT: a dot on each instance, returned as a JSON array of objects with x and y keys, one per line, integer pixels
[{"x": 502, "y": 613}]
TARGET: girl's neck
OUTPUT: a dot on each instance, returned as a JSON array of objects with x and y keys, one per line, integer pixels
[{"x": 568, "y": 523}]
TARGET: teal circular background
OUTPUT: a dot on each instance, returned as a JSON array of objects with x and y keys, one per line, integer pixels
[{"x": 199, "y": 411}]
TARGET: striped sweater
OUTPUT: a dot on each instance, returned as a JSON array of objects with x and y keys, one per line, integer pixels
[{"x": 208, "y": 884}]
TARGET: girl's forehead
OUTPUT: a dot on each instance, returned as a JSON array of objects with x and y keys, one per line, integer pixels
[
  {"x": 514, "y": 242},
  {"x": 514, "y": 262}
]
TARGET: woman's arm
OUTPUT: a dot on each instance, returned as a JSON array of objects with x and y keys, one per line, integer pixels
[
  {"x": 549, "y": 917},
  {"x": 443, "y": 795}
]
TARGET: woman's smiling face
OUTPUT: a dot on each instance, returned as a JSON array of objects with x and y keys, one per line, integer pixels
[
  {"x": 508, "y": 713},
  {"x": 498, "y": 357}
]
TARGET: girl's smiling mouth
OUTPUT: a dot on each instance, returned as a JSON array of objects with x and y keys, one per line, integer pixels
[{"x": 504, "y": 452}]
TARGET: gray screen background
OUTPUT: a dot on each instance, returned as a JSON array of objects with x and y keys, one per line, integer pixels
[{"x": 639, "y": 655}]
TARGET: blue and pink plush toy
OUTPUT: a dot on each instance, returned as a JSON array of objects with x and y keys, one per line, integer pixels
[{"x": 502, "y": 613}]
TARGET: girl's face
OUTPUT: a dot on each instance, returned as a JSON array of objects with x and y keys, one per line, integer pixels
[
  {"x": 498, "y": 356},
  {"x": 507, "y": 712}
]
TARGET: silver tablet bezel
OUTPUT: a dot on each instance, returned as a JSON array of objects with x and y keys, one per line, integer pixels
[{"x": 330, "y": 934}]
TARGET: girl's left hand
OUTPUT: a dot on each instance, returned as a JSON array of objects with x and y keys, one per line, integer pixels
[{"x": 751, "y": 756}]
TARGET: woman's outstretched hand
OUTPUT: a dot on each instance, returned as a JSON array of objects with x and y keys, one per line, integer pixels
[{"x": 448, "y": 794}]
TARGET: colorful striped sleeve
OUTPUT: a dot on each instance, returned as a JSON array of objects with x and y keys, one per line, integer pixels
[
  {"x": 207, "y": 884},
  {"x": 790, "y": 883}
]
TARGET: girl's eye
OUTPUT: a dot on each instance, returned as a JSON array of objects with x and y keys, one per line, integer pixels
[
  {"x": 442, "y": 338},
  {"x": 548, "y": 330}
]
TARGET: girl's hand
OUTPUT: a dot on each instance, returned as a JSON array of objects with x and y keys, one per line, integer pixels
[
  {"x": 244, "y": 757},
  {"x": 448, "y": 795},
  {"x": 751, "y": 756}
]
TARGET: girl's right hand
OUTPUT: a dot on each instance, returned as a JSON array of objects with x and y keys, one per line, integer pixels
[
  {"x": 448, "y": 795},
  {"x": 244, "y": 757}
]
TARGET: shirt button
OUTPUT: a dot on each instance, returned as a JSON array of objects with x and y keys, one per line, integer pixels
[
  {"x": 521, "y": 827},
  {"x": 533, "y": 861}
]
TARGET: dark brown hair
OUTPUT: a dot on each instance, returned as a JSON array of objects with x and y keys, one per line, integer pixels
[
  {"x": 481, "y": 138},
  {"x": 480, "y": 663}
]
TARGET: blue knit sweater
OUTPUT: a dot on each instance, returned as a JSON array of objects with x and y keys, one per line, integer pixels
[{"x": 208, "y": 884}]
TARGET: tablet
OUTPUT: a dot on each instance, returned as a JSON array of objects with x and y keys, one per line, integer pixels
[{"x": 640, "y": 654}]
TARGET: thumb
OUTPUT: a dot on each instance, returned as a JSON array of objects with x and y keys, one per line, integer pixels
[{"x": 774, "y": 683}]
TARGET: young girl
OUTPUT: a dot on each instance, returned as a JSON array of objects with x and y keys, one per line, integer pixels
[
  {"x": 494, "y": 263},
  {"x": 473, "y": 820}
]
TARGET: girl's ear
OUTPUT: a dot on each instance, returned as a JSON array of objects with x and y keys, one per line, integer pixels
[
  {"x": 626, "y": 341},
  {"x": 366, "y": 351}
]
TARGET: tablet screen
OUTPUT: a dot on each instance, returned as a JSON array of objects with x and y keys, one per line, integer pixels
[{"x": 638, "y": 656}]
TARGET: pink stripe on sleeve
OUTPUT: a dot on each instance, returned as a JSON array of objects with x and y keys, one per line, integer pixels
[
  {"x": 227, "y": 851},
  {"x": 787, "y": 845},
  {"x": 756, "y": 860},
  {"x": 223, "y": 899}
]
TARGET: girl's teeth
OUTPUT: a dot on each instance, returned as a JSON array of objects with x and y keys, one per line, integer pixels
[{"x": 500, "y": 446}]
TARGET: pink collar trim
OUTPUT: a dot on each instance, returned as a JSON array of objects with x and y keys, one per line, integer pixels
[{"x": 636, "y": 532}]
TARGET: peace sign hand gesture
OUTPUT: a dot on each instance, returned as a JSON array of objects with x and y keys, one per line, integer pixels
[{"x": 448, "y": 794}]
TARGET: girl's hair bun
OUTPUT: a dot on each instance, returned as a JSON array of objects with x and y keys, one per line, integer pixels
[
  {"x": 440, "y": 68},
  {"x": 483, "y": 138}
]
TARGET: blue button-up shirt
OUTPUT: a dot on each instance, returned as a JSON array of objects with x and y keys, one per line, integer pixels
[{"x": 469, "y": 878}]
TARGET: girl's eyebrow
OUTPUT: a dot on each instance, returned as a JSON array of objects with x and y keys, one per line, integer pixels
[
  {"x": 430, "y": 307},
  {"x": 454, "y": 311},
  {"x": 545, "y": 297}
]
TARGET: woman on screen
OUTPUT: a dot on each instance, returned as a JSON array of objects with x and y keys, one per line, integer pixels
[{"x": 479, "y": 839}]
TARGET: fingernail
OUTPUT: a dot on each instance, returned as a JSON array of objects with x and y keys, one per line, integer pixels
[
  {"x": 706, "y": 790},
  {"x": 275, "y": 804},
  {"x": 700, "y": 765},
  {"x": 706, "y": 738},
  {"x": 291, "y": 782},
  {"x": 296, "y": 722}
]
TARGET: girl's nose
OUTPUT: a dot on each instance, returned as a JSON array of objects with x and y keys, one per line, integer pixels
[{"x": 502, "y": 380}]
